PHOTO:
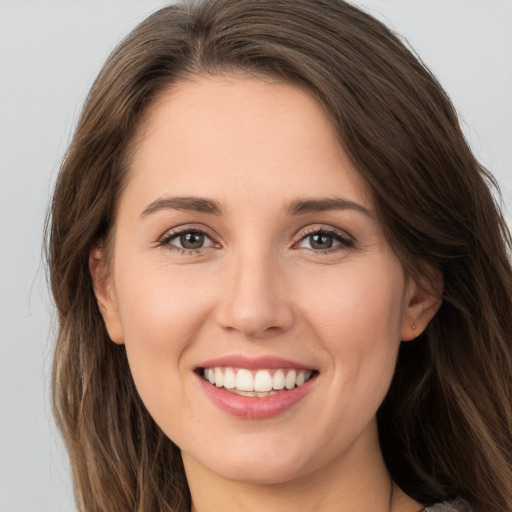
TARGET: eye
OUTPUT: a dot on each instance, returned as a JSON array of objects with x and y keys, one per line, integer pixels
[
  {"x": 318, "y": 241},
  {"x": 187, "y": 240},
  {"x": 191, "y": 240},
  {"x": 324, "y": 240}
]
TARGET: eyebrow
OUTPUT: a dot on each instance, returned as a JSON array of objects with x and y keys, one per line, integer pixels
[
  {"x": 195, "y": 204},
  {"x": 298, "y": 207},
  {"x": 325, "y": 204}
]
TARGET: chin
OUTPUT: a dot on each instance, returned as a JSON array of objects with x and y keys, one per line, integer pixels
[
  {"x": 267, "y": 462},
  {"x": 258, "y": 473}
]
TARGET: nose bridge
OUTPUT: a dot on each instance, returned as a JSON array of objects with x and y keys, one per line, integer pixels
[{"x": 254, "y": 302}]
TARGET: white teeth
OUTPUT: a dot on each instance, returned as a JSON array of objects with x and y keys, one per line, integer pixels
[
  {"x": 244, "y": 380},
  {"x": 219, "y": 378},
  {"x": 253, "y": 393},
  {"x": 278, "y": 380},
  {"x": 270, "y": 393},
  {"x": 229, "y": 379},
  {"x": 290, "y": 379},
  {"x": 301, "y": 378},
  {"x": 262, "y": 381},
  {"x": 255, "y": 382},
  {"x": 244, "y": 393}
]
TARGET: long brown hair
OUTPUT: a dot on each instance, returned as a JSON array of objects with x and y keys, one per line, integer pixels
[{"x": 446, "y": 423}]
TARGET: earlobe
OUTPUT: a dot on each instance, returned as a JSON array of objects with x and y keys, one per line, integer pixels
[
  {"x": 105, "y": 296},
  {"x": 422, "y": 303}
]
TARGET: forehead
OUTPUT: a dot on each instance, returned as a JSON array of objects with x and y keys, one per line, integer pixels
[{"x": 240, "y": 136}]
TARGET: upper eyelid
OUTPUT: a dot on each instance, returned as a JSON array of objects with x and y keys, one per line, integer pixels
[
  {"x": 304, "y": 232},
  {"x": 186, "y": 228},
  {"x": 167, "y": 239},
  {"x": 301, "y": 234}
]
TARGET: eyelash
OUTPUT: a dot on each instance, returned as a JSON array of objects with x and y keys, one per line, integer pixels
[
  {"x": 344, "y": 240},
  {"x": 166, "y": 240}
]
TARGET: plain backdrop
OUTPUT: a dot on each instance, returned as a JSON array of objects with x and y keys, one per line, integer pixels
[{"x": 50, "y": 51}]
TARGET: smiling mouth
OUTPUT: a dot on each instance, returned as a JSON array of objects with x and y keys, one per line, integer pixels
[{"x": 255, "y": 383}]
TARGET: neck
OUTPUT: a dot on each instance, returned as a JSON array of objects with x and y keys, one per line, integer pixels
[{"x": 354, "y": 481}]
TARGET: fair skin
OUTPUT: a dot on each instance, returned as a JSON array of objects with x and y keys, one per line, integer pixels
[{"x": 245, "y": 238}]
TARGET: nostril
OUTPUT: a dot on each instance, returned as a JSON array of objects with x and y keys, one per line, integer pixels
[{"x": 256, "y": 321}]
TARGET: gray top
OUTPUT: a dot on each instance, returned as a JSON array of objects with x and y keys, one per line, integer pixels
[{"x": 453, "y": 506}]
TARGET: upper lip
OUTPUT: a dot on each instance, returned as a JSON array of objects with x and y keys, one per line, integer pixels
[{"x": 254, "y": 363}]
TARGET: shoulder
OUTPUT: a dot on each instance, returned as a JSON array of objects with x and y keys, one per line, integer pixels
[{"x": 448, "y": 506}]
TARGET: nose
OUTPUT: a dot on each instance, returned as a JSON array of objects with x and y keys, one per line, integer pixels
[{"x": 254, "y": 301}]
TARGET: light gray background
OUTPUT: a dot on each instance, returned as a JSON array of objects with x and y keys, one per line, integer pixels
[{"x": 50, "y": 51}]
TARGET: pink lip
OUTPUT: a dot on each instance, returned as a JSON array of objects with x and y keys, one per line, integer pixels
[
  {"x": 254, "y": 408},
  {"x": 254, "y": 363}
]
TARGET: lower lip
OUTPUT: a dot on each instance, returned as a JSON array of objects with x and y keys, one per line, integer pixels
[{"x": 255, "y": 408}]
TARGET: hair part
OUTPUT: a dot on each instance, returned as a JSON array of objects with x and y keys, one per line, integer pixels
[{"x": 445, "y": 424}]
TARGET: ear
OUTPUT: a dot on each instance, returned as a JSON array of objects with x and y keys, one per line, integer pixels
[
  {"x": 422, "y": 303},
  {"x": 105, "y": 295}
]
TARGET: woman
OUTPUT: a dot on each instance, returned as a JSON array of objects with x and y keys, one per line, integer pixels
[{"x": 282, "y": 280}]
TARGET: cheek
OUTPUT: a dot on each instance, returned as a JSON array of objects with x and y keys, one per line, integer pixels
[
  {"x": 154, "y": 316},
  {"x": 358, "y": 319},
  {"x": 160, "y": 317},
  {"x": 358, "y": 307},
  {"x": 159, "y": 305}
]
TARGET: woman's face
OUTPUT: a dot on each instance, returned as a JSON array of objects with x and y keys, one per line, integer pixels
[{"x": 247, "y": 251}]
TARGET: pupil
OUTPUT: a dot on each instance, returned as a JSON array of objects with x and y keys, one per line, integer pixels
[
  {"x": 319, "y": 241},
  {"x": 192, "y": 240}
]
